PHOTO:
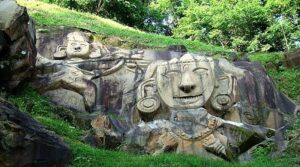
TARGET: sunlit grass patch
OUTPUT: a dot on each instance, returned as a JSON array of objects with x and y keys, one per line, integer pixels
[{"x": 274, "y": 57}]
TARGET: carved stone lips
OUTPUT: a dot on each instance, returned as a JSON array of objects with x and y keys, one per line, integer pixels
[{"x": 188, "y": 98}]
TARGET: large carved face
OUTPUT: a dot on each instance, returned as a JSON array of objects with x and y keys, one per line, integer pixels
[
  {"x": 77, "y": 46},
  {"x": 186, "y": 83}
]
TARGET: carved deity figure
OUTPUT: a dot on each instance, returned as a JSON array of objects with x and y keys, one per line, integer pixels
[
  {"x": 78, "y": 46},
  {"x": 185, "y": 85},
  {"x": 184, "y": 89},
  {"x": 187, "y": 82}
]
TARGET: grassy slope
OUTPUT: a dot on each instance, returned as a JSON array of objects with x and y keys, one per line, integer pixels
[
  {"x": 85, "y": 155},
  {"x": 53, "y": 15}
]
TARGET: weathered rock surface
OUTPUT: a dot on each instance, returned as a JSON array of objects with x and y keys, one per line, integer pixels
[
  {"x": 177, "y": 48},
  {"x": 155, "y": 102},
  {"x": 292, "y": 59},
  {"x": 25, "y": 142},
  {"x": 17, "y": 44},
  {"x": 66, "y": 98}
]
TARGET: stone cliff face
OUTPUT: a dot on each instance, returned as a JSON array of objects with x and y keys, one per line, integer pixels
[
  {"x": 17, "y": 44},
  {"x": 25, "y": 142}
]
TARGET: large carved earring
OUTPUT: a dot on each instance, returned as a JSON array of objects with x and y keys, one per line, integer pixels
[
  {"x": 148, "y": 105},
  {"x": 147, "y": 100},
  {"x": 223, "y": 97},
  {"x": 60, "y": 53}
]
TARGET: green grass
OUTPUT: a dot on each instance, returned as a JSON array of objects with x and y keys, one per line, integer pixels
[
  {"x": 287, "y": 80},
  {"x": 85, "y": 155},
  {"x": 52, "y": 15},
  {"x": 265, "y": 58}
]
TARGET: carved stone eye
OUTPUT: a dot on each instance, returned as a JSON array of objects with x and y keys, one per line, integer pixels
[
  {"x": 172, "y": 73},
  {"x": 200, "y": 71}
]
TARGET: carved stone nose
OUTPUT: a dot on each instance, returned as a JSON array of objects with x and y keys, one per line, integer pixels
[
  {"x": 78, "y": 48},
  {"x": 187, "y": 88},
  {"x": 187, "y": 84}
]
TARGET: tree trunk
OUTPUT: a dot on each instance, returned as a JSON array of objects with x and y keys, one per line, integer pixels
[{"x": 100, "y": 6}]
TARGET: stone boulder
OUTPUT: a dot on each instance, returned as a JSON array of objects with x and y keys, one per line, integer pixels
[
  {"x": 25, "y": 142},
  {"x": 17, "y": 44}
]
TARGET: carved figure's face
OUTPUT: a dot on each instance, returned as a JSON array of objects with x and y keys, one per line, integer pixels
[
  {"x": 186, "y": 83},
  {"x": 80, "y": 49}
]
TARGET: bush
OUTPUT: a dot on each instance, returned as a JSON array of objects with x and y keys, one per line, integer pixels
[{"x": 250, "y": 25}]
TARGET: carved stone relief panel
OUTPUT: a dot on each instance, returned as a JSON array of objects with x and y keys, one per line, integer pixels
[{"x": 166, "y": 101}]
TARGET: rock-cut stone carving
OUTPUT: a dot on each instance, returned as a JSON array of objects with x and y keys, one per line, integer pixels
[
  {"x": 147, "y": 102},
  {"x": 224, "y": 94},
  {"x": 155, "y": 102},
  {"x": 187, "y": 82},
  {"x": 192, "y": 90},
  {"x": 78, "y": 46}
]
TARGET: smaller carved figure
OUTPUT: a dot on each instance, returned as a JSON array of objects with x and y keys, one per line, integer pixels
[{"x": 78, "y": 46}]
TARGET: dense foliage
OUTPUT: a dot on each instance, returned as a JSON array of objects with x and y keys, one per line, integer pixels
[
  {"x": 108, "y": 31},
  {"x": 244, "y": 25},
  {"x": 130, "y": 12}
]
